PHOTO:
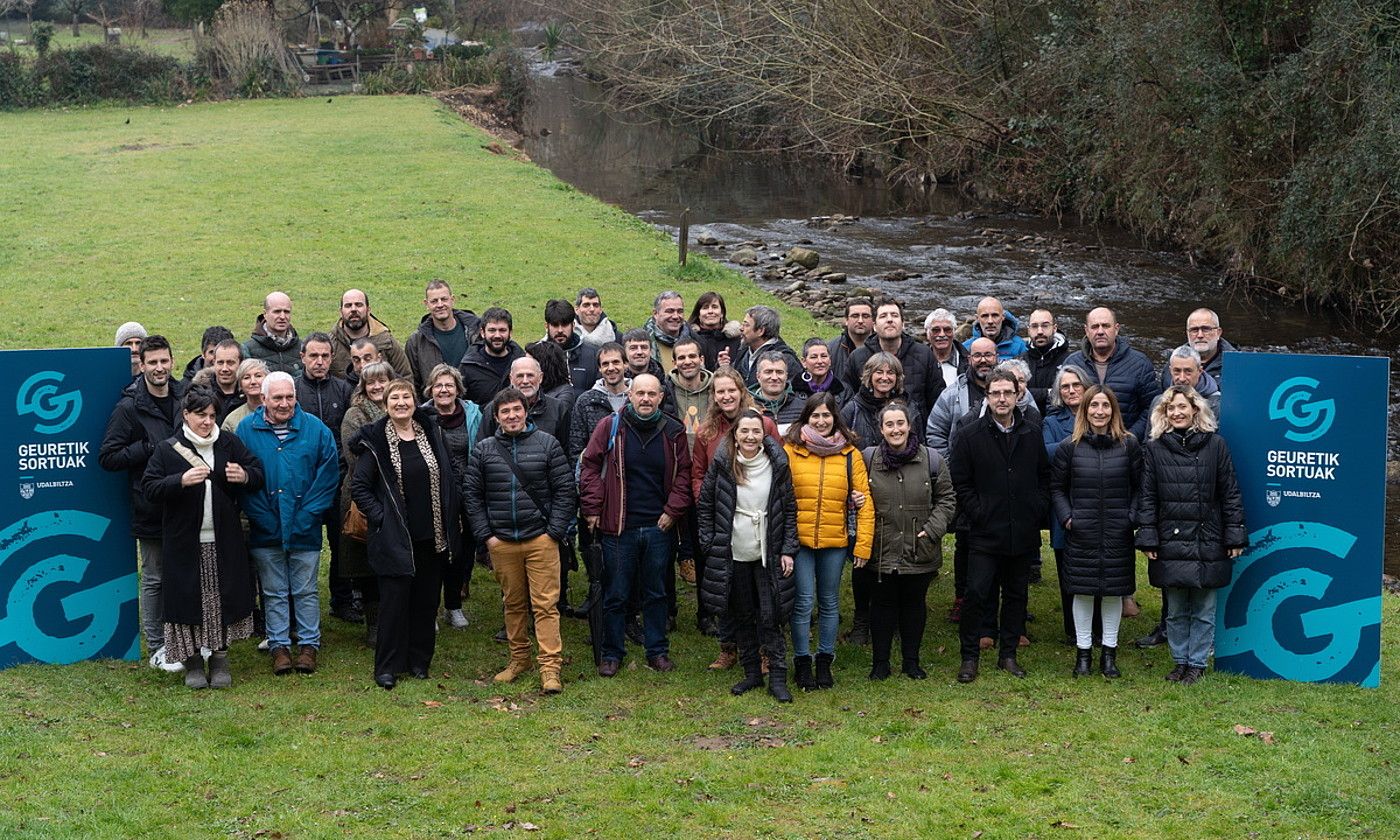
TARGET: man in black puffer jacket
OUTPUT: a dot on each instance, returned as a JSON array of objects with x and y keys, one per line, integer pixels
[
  {"x": 520, "y": 500},
  {"x": 1109, "y": 361},
  {"x": 1001, "y": 474}
]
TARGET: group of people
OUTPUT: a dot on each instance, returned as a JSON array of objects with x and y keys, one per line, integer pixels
[{"x": 696, "y": 447}]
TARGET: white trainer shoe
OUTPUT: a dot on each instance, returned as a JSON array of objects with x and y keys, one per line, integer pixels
[
  {"x": 457, "y": 619},
  {"x": 158, "y": 662}
]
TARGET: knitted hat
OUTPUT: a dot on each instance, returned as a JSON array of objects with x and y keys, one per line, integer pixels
[{"x": 128, "y": 331}]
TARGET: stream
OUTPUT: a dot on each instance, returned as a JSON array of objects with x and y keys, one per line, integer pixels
[{"x": 960, "y": 252}]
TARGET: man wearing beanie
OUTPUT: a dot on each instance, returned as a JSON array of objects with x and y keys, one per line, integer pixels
[{"x": 129, "y": 335}]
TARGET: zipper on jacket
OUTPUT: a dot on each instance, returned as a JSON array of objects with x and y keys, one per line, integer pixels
[
  {"x": 402, "y": 520},
  {"x": 821, "y": 482}
]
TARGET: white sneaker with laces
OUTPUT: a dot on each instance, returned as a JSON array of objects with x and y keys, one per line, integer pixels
[
  {"x": 158, "y": 662},
  {"x": 457, "y": 619}
]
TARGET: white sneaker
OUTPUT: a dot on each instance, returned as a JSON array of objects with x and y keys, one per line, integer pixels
[
  {"x": 263, "y": 645},
  {"x": 457, "y": 619},
  {"x": 158, "y": 662}
]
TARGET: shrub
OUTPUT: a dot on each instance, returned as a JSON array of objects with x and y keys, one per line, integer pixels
[
  {"x": 41, "y": 33},
  {"x": 251, "y": 52}
]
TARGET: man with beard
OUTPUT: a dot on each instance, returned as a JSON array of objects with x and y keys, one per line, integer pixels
[
  {"x": 356, "y": 322},
  {"x": 962, "y": 400},
  {"x": 583, "y": 358},
  {"x": 690, "y": 384},
  {"x": 147, "y": 413},
  {"x": 549, "y": 415},
  {"x": 443, "y": 334},
  {"x": 1110, "y": 361},
  {"x": 1001, "y": 474},
  {"x": 211, "y": 338},
  {"x": 994, "y": 322},
  {"x": 284, "y": 518},
  {"x": 486, "y": 366},
  {"x": 227, "y": 355},
  {"x": 608, "y": 395},
  {"x": 1047, "y": 350},
  {"x": 1204, "y": 335},
  {"x": 666, "y": 324},
  {"x": 759, "y": 334},
  {"x": 949, "y": 355},
  {"x": 593, "y": 325},
  {"x": 638, "y": 349},
  {"x": 274, "y": 339},
  {"x": 859, "y": 324},
  {"x": 922, "y": 379},
  {"x": 773, "y": 393},
  {"x": 326, "y": 398}
]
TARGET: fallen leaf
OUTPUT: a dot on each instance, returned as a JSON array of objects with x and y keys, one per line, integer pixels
[
  {"x": 1063, "y": 824},
  {"x": 976, "y": 834},
  {"x": 636, "y": 762},
  {"x": 947, "y": 777},
  {"x": 1267, "y": 737},
  {"x": 889, "y": 794},
  {"x": 529, "y": 826},
  {"x": 433, "y": 704},
  {"x": 510, "y": 809},
  {"x": 877, "y": 740},
  {"x": 1241, "y": 729},
  {"x": 1183, "y": 759},
  {"x": 1129, "y": 760}
]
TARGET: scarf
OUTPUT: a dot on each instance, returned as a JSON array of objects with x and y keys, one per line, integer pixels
[
  {"x": 819, "y": 386},
  {"x": 658, "y": 336},
  {"x": 771, "y": 406},
  {"x": 453, "y": 420},
  {"x": 434, "y": 475},
  {"x": 639, "y": 422},
  {"x": 600, "y": 335},
  {"x": 205, "y": 447},
  {"x": 894, "y": 459},
  {"x": 820, "y": 445}
]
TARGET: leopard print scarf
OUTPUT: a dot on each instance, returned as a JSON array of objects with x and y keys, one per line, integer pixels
[{"x": 434, "y": 477}]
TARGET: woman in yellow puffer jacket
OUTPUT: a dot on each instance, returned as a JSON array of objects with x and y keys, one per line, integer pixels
[{"x": 829, "y": 480}]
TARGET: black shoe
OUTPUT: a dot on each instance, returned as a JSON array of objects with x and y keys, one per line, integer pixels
[
  {"x": 1192, "y": 675},
  {"x": 1083, "y": 663},
  {"x": 824, "y": 678},
  {"x": 777, "y": 686},
  {"x": 748, "y": 683},
  {"x": 349, "y": 613},
  {"x": 1012, "y": 667},
  {"x": 500, "y": 635},
  {"x": 912, "y": 670},
  {"x": 968, "y": 672},
  {"x": 1177, "y": 673},
  {"x": 633, "y": 631},
  {"x": 708, "y": 626},
  {"x": 860, "y": 631},
  {"x": 1108, "y": 663},
  {"x": 1156, "y": 638},
  {"x": 661, "y": 663},
  {"x": 386, "y": 681},
  {"x": 802, "y": 673},
  {"x": 880, "y": 671},
  {"x": 419, "y": 673}
]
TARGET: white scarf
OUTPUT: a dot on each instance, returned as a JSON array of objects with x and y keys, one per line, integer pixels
[
  {"x": 205, "y": 447},
  {"x": 600, "y": 335}
]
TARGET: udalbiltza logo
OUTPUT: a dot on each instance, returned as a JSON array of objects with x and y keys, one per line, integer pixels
[
  {"x": 26, "y": 490},
  {"x": 1292, "y": 402},
  {"x": 39, "y": 395},
  {"x": 1273, "y": 496}
]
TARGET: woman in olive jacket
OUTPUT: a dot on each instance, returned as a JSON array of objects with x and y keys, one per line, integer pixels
[
  {"x": 913, "y": 497},
  {"x": 1191, "y": 521},
  {"x": 1094, "y": 479},
  {"x": 747, "y": 529}
]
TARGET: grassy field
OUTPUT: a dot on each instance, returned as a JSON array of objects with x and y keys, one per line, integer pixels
[
  {"x": 181, "y": 218},
  {"x": 174, "y": 42}
]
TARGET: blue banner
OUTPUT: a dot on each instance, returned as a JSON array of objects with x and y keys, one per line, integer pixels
[
  {"x": 67, "y": 559},
  {"x": 1308, "y": 438}
]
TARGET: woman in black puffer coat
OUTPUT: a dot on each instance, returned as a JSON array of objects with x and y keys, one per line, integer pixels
[
  {"x": 747, "y": 518},
  {"x": 1093, "y": 489},
  {"x": 1192, "y": 523}
]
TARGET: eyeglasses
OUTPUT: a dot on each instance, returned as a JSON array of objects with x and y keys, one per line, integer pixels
[
  {"x": 984, "y": 355},
  {"x": 940, "y": 330},
  {"x": 1201, "y": 330}
]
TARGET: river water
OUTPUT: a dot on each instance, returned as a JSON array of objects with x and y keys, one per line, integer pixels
[{"x": 655, "y": 171}]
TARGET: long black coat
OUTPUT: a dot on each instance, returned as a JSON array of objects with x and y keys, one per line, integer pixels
[
  {"x": 1190, "y": 511},
  {"x": 1003, "y": 484},
  {"x": 376, "y": 491},
  {"x": 1094, "y": 486},
  {"x": 715, "y": 515},
  {"x": 182, "y": 514}
]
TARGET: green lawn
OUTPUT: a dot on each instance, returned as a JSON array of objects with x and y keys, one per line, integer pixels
[
  {"x": 186, "y": 217},
  {"x": 175, "y": 42}
]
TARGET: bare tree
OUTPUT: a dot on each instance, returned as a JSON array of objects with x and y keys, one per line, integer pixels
[{"x": 26, "y": 6}]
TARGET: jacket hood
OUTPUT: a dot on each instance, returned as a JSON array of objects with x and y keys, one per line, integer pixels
[
  {"x": 1056, "y": 343},
  {"x": 375, "y": 325},
  {"x": 1010, "y": 326},
  {"x": 602, "y": 387},
  {"x": 705, "y": 377}
]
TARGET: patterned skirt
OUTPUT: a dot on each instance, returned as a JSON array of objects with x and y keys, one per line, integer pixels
[{"x": 185, "y": 640}]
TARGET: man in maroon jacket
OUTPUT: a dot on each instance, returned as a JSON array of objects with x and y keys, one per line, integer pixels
[{"x": 634, "y": 483}]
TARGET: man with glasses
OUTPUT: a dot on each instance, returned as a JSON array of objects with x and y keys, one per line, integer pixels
[
  {"x": 1047, "y": 350},
  {"x": 950, "y": 355},
  {"x": 1203, "y": 333}
]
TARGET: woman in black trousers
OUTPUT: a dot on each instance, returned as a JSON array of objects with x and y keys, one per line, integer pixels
[
  {"x": 406, "y": 489},
  {"x": 748, "y": 532}
]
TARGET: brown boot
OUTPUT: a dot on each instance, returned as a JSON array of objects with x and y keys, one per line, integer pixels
[
  {"x": 281, "y": 661},
  {"x": 686, "y": 569},
  {"x": 728, "y": 658},
  {"x": 513, "y": 670},
  {"x": 550, "y": 682},
  {"x": 763, "y": 662},
  {"x": 306, "y": 660}
]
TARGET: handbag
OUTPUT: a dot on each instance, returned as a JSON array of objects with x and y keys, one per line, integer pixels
[{"x": 355, "y": 526}]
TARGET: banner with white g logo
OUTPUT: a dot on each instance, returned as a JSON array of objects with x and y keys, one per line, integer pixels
[{"x": 1308, "y": 438}]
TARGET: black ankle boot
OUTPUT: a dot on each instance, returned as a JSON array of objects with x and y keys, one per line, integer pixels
[
  {"x": 1109, "y": 663},
  {"x": 880, "y": 670},
  {"x": 913, "y": 671},
  {"x": 750, "y": 681},
  {"x": 1083, "y": 662},
  {"x": 802, "y": 673},
  {"x": 777, "y": 685},
  {"x": 824, "y": 678}
]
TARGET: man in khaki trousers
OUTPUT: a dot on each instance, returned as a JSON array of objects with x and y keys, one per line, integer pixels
[{"x": 520, "y": 501}]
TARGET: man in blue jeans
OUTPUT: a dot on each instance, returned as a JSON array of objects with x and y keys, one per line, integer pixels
[
  {"x": 634, "y": 483},
  {"x": 284, "y": 517}
]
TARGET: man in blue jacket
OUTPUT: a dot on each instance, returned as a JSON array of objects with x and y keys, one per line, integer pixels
[
  {"x": 1111, "y": 362},
  {"x": 284, "y": 517},
  {"x": 994, "y": 322}
]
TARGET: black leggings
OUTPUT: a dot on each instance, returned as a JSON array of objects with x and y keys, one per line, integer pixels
[{"x": 898, "y": 601}]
